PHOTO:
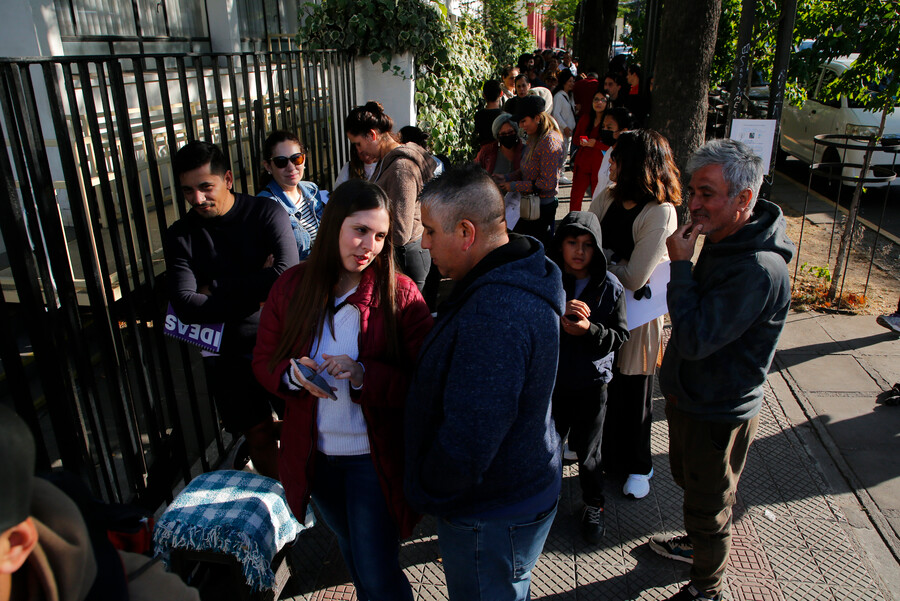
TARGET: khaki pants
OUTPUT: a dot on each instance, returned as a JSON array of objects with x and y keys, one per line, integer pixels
[{"x": 707, "y": 459}]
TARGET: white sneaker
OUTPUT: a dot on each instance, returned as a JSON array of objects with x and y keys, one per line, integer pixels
[
  {"x": 569, "y": 454},
  {"x": 565, "y": 180},
  {"x": 637, "y": 485},
  {"x": 891, "y": 322}
]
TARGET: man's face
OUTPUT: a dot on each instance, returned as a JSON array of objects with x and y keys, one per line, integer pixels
[
  {"x": 208, "y": 194},
  {"x": 16, "y": 544},
  {"x": 611, "y": 87},
  {"x": 710, "y": 206},
  {"x": 446, "y": 247}
]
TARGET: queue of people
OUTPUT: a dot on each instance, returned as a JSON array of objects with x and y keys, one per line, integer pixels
[{"x": 391, "y": 407}]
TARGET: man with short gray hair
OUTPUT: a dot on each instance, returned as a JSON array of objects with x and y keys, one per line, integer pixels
[
  {"x": 482, "y": 452},
  {"x": 727, "y": 315}
]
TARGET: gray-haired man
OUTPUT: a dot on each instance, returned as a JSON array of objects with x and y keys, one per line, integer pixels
[{"x": 727, "y": 315}]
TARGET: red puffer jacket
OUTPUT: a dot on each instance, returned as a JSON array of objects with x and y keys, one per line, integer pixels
[{"x": 382, "y": 397}]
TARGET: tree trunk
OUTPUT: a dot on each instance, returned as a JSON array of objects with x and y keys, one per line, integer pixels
[
  {"x": 595, "y": 22},
  {"x": 847, "y": 235},
  {"x": 687, "y": 43}
]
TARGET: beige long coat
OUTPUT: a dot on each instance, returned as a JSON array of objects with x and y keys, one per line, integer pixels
[{"x": 655, "y": 223}]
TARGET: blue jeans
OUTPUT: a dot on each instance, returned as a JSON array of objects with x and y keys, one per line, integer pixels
[
  {"x": 491, "y": 560},
  {"x": 348, "y": 497}
]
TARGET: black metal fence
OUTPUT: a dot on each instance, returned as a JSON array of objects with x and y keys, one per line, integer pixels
[{"x": 88, "y": 193}]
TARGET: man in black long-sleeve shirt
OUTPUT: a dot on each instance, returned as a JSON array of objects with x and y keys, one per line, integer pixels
[{"x": 222, "y": 258}]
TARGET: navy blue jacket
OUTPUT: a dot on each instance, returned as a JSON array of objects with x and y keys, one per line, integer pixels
[
  {"x": 479, "y": 434},
  {"x": 587, "y": 360}
]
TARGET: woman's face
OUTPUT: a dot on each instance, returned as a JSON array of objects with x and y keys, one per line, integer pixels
[
  {"x": 569, "y": 85},
  {"x": 286, "y": 153},
  {"x": 530, "y": 125},
  {"x": 362, "y": 238},
  {"x": 367, "y": 144},
  {"x": 510, "y": 80},
  {"x": 522, "y": 87},
  {"x": 507, "y": 130},
  {"x": 610, "y": 124},
  {"x": 599, "y": 103},
  {"x": 613, "y": 168}
]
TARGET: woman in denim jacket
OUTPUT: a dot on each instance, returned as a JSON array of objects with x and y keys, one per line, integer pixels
[{"x": 284, "y": 159}]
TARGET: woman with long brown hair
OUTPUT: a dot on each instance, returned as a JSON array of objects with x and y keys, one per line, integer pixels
[
  {"x": 337, "y": 339},
  {"x": 637, "y": 213},
  {"x": 401, "y": 172},
  {"x": 539, "y": 170}
]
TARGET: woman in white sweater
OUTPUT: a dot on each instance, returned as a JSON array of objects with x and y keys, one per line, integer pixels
[{"x": 636, "y": 215}]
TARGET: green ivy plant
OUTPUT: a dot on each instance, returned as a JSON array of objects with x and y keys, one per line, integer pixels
[
  {"x": 452, "y": 58},
  {"x": 509, "y": 39}
]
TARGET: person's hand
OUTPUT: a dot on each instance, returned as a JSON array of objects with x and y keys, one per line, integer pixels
[
  {"x": 682, "y": 242},
  {"x": 579, "y": 310},
  {"x": 204, "y": 290},
  {"x": 590, "y": 142},
  {"x": 306, "y": 384},
  {"x": 503, "y": 185},
  {"x": 567, "y": 132},
  {"x": 342, "y": 367},
  {"x": 498, "y": 178},
  {"x": 577, "y": 108},
  {"x": 269, "y": 262}
]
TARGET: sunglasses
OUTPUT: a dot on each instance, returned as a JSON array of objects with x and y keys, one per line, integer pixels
[{"x": 282, "y": 162}]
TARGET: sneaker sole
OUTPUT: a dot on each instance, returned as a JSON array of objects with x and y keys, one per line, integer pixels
[{"x": 659, "y": 550}]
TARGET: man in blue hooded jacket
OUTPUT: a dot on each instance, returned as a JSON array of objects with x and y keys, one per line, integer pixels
[
  {"x": 482, "y": 453},
  {"x": 727, "y": 315}
]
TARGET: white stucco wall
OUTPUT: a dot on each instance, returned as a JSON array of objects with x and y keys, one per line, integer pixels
[{"x": 396, "y": 94}]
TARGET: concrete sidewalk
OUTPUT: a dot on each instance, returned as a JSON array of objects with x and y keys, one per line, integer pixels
[{"x": 801, "y": 529}]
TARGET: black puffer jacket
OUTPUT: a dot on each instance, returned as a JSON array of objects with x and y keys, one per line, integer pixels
[{"x": 587, "y": 360}]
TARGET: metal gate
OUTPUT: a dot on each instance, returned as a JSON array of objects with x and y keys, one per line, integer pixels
[{"x": 88, "y": 193}]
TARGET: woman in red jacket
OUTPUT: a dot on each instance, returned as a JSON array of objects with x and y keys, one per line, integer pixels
[
  {"x": 347, "y": 314},
  {"x": 590, "y": 149}
]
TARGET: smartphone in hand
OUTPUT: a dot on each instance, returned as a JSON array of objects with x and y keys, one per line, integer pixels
[{"x": 314, "y": 379}]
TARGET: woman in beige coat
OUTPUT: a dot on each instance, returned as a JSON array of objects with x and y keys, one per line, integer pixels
[{"x": 636, "y": 215}]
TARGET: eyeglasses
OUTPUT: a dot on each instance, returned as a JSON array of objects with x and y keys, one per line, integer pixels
[{"x": 282, "y": 162}]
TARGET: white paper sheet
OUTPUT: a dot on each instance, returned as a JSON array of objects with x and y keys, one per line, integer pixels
[{"x": 642, "y": 311}]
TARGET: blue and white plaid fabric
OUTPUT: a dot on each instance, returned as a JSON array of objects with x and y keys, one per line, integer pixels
[{"x": 239, "y": 513}]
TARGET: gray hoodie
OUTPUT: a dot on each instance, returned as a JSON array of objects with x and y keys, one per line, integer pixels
[{"x": 727, "y": 317}]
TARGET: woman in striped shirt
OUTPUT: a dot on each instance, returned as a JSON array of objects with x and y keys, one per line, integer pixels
[{"x": 283, "y": 159}]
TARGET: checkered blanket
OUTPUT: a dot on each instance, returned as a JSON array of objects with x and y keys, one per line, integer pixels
[{"x": 239, "y": 513}]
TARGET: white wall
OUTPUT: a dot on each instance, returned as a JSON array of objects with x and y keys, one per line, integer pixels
[
  {"x": 396, "y": 94},
  {"x": 29, "y": 28}
]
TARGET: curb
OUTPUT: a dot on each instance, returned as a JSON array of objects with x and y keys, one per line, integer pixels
[{"x": 876, "y": 517}]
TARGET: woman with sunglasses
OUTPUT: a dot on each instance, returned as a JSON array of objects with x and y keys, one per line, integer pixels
[
  {"x": 338, "y": 339},
  {"x": 283, "y": 159}
]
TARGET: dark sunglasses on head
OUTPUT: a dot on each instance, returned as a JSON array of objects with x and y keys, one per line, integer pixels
[{"x": 281, "y": 162}]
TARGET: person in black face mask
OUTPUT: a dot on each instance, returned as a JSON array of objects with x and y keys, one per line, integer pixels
[
  {"x": 615, "y": 122},
  {"x": 504, "y": 155}
]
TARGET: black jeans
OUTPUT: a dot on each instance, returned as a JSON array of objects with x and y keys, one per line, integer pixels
[
  {"x": 626, "y": 446},
  {"x": 580, "y": 413},
  {"x": 543, "y": 227}
]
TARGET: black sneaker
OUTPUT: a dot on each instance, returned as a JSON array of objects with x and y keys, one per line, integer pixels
[
  {"x": 592, "y": 527},
  {"x": 678, "y": 548},
  {"x": 689, "y": 593}
]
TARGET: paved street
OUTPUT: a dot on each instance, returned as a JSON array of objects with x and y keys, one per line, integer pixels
[{"x": 818, "y": 511}]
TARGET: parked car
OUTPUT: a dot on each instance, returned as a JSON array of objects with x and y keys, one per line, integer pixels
[{"x": 825, "y": 113}]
